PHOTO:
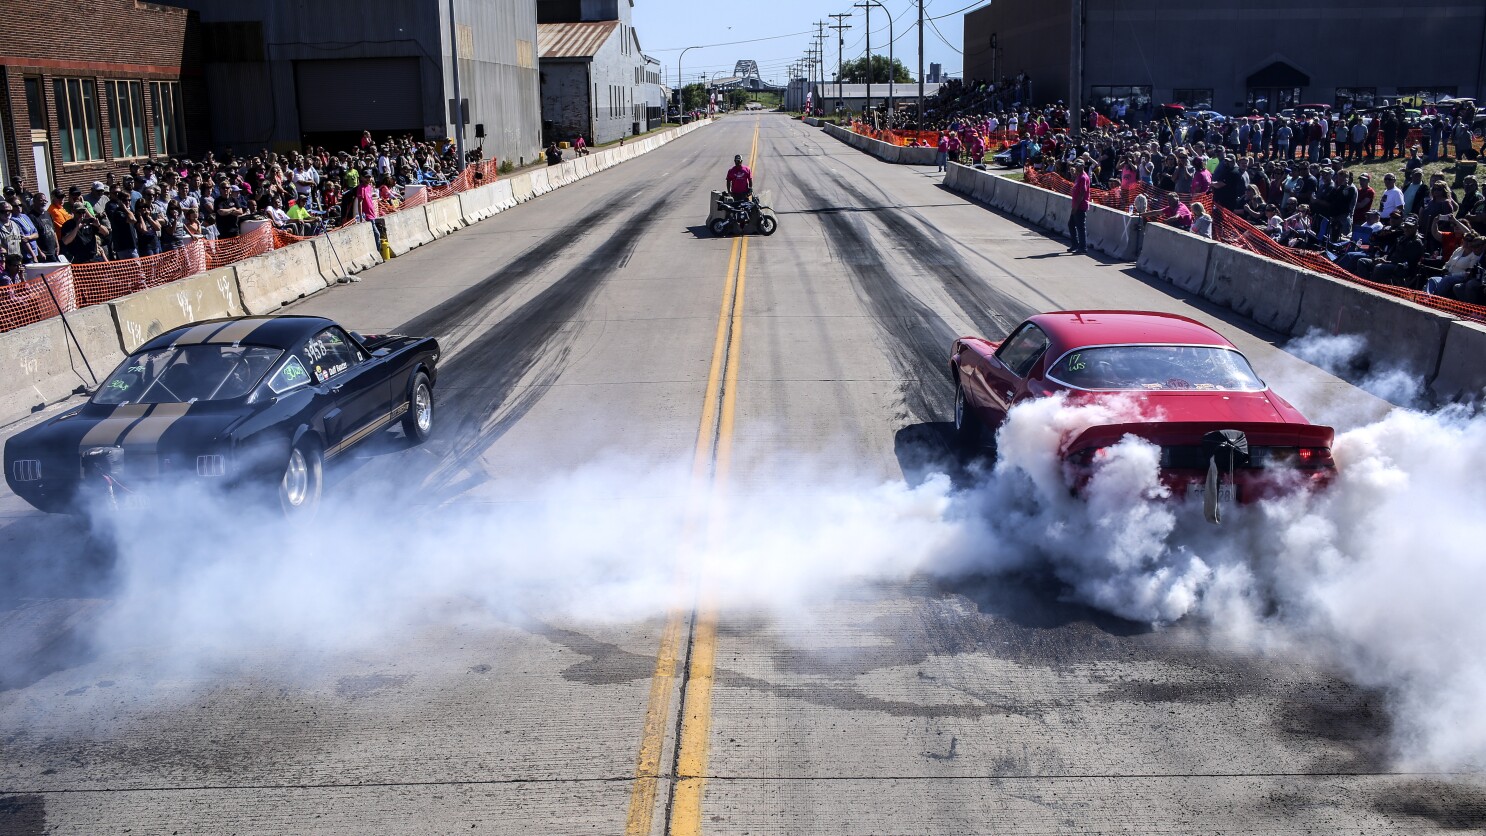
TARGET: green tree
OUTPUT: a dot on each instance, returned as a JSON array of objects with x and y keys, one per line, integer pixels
[
  {"x": 855, "y": 71},
  {"x": 694, "y": 97}
]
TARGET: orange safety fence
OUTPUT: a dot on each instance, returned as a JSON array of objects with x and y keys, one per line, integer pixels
[
  {"x": 80, "y": 285},
  {"x": 101, "y": 281},
  {"x": 1117, "y": 198},
  {"x": 32, "y": 300}
]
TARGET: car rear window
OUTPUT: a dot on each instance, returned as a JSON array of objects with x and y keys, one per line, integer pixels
[
  {"x": 188, "y": 373},
  {"x": 1157, "y": 368}
]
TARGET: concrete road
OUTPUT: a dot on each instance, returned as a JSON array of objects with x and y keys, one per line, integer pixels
[{"x": 608, "y": 357}]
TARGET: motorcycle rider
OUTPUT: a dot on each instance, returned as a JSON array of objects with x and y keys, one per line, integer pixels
[{"x": 740, "y": 179}]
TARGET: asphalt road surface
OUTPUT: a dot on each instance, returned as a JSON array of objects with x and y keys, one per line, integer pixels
[{"x": 602, "y": 323}]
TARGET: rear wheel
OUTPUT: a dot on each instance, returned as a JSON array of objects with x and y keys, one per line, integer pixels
[
  {"x": 417, "y": 424},
  {"x": 302, "y": 482},
  {"x": 767, "y": 224}
]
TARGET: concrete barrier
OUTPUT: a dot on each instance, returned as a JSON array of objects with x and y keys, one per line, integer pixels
[
  {"x": 1114, "y": 233},
  {"x": 43, "y": 365},
  {"x": 140, "y": 317},
  {"x": 541, "y": 182},
  {"x": 1462, "y": 372},
  {"x": 444, "y": 215},
  {"x": 407, "y": 229},
  {"x": 478, "y": 204},
  {"x": 1175, "y": 256},
  {"x": 1059, "y": 209},
  {"x": 957, "y": 178},
  {"x": 521, "y": 190},
  {"x": 1262, "y": 289},
  {"x": 1007, "y": 194},
  {"x": 981, "y": 184},
  {"x": 915, "y": 155},
  {"x": 1398, "y": 332},
  {"x": 502, "y": 196},
  {"x": 346, "y": 251},
  {"x": 266, "y": 282},
  {"x": 1031, "y": 203}
]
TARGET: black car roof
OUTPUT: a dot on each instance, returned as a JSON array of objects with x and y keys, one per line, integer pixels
[{"x": 284, "y": 332}]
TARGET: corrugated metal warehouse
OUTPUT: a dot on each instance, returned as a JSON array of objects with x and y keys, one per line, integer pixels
[{"x": 285, "y": 72}]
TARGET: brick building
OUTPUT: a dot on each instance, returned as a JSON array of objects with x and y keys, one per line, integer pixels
[{"x": 93, "y": 85}]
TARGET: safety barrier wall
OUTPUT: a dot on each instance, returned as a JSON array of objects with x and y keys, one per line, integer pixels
[
  {"x": 444, "y": 216},
  {"x": 1443, "y": 350},
  {"x": 274, "y": 279},
  {"x": 884, "y": 151},
  {"x": 346, "y": 251},
  {"x": 140, "y": 317},
  {"x": 44, "y": 365},
  {"x": 408, "y": 230}
]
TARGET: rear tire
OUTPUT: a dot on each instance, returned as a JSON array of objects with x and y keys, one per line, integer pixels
[
  {"x": 967, "y": 429},
  {"x": 767, "y": 224},
  {"x": 302, "y": 482},
  {"x": 417, "y": 424}
]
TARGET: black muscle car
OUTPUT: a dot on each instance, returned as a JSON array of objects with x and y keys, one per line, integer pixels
[{"x": 258, "y": 403}]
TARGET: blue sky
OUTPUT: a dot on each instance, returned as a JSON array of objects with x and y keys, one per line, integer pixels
[{"x": 665, "y": 26}]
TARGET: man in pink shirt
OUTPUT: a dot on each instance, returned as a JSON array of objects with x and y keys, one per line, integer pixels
[{"x": 1078, "y": 218}]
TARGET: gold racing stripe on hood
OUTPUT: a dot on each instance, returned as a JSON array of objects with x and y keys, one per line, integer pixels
[
  {"x": 142, "y": 442},
  {"x": 236, "y": 332},
  {"x": 106, "y": 433}
]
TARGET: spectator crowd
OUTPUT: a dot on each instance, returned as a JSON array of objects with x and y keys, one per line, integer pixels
[
  {"x": 162, "y": 205},
  {"x": 1287, "y": 177}
]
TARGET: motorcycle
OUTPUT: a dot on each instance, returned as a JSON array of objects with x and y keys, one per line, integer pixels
[{"x": 741, "y": 216}]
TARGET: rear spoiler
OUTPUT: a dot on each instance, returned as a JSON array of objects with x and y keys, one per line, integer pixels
[{"x": 1177, "y": 433}]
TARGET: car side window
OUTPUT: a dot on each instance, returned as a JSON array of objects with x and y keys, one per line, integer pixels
[
  {"x": 329, "y": 353},
  {"x": 1022, "y": 349},
  {"x": 290, "y": 375}
]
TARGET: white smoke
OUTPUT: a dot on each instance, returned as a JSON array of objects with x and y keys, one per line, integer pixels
[{"x": 1379, "y": 574}]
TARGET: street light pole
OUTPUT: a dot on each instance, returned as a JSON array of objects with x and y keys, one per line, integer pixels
[
  {"x": 891, "y": 66},
  {"x": 867, "y": 102},
  {"x": 680, "y": 82}
]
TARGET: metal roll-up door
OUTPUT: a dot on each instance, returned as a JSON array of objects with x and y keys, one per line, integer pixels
[{"x": 355, "y": 94}]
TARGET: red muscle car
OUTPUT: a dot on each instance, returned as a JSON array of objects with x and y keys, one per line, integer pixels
[{"x": 1221, "y": 430}]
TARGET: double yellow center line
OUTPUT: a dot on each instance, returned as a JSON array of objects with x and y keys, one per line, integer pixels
[{"x": 711, "y": 465}]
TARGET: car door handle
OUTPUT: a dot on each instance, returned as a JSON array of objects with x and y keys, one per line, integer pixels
[{"x": 336, "y": 389}]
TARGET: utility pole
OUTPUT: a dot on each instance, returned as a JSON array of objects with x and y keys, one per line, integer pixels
[
  {"x": 867, "y": 103},
  {"x": 840, "y": 44},
  {"x": 458, "y": 103},
  {"x": 820, "y": 48},
  {"x": 921, "y": 65},
  {"x": 1076, "y": 74}
]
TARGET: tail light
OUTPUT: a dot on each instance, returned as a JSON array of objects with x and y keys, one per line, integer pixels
[
  {"x": 1312, "y": 458},
  {"x": 26, "y": 470},
  {"x": 211, "y": 465}
]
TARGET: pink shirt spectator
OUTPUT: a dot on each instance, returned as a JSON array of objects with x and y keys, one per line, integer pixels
[
  {"x": 1202, "y": 181},
  {"x": 1080, "y": 193}
]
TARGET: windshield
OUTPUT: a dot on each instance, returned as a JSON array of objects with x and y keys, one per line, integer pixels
[
  {"x": 188, "y": 373},
  {"x": 1157, "y": 368}
]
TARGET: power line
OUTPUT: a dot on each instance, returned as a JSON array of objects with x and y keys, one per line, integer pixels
[
  {"x": 732, "y": 43},
  {"x": 966, "y": 9}
]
